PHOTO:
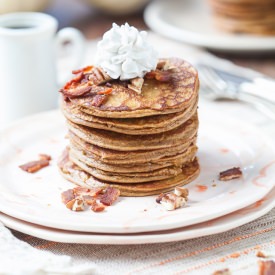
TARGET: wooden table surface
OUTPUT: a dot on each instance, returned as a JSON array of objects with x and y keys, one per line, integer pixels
[{"x": 93, "y": 23}]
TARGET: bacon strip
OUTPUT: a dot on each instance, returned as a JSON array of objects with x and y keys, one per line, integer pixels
[
  {"x": 76, "y": 92},
  {"x": 105, "y": 92},
  {"x": 84, "y": 70},
  {"x": 34, "y": 166},
  {"x": 98, "y": 100}
]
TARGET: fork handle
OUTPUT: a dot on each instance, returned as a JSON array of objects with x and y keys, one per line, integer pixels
[
  {"x": 260, "y": 103},
  {"x": 260, "y": 88}
]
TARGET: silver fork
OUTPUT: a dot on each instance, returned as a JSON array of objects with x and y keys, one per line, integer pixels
[{"x": 216, "y": 87}]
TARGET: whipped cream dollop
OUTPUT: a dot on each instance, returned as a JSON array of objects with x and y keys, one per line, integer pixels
[{"x": 125, "y": 53}]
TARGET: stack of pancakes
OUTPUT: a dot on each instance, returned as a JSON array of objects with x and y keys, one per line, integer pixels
[
  {"x": 142, "y": 144},
  {"x": 245, "y": 16}
]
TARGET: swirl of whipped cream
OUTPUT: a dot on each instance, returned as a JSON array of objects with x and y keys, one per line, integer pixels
[{"x": 125, "y": 53}]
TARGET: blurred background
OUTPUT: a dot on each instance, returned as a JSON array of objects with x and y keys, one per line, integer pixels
[{"x": 94, "y": 17}]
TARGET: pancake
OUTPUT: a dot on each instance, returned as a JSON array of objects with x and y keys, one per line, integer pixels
[
  {"x": 133, "y": 157},
  {"x": 259, "y": 26},
  {"x": 130, "y": 126},
  {"x": 122, "y": 142},
  {"x": 122, "y": 178},
  {"x": 75, "y": 174},
  {"x": 91, "y": 160},
  {"x": 156, "y": 98},
  {"x": 137, "y": 135},
  {"x": 244, "y": 16}
]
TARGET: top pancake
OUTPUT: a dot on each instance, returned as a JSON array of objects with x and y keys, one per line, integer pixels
[{"x": 156, "y": 97}]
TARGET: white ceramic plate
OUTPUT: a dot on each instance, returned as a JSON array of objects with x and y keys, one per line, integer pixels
[
  {"x": 190, "y": 21},
  {"x": 215, "y": 226},
  {"x": 223, "y": 143}
]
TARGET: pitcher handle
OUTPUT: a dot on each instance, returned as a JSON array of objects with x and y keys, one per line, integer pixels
[{"x": 76, "y": 52}]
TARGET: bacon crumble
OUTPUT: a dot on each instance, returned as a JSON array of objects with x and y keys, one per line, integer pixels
[
  {"x": 266, "y": 267},
  {"x": 36, "y": 165},
  {"x": 230, "y": 174},
  {"x": 97, "y": 100},
  {"x": 96, "y": 197},
  {"x": 260, "y": 254},
  {"x": 44, "y": 156},
  {"x": 97, "y": 206},
  {"x": 67, "y": 196},
  {"x": 110, "y": 196},
  {"x": 163, "y": 72}
]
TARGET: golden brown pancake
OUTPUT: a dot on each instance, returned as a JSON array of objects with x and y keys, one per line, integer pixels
[
  {"x": 75, "y": 174},
  {"x": 156, "y": 98},
  {"x": 244, "y": 16},
  {"x": 130, "y": 126},
  {"x": 134, "y": 157},
  {"x": 133, "y": 177},
  {"x": 122, "y": 142},
  {"x": 91, "y": 160}
]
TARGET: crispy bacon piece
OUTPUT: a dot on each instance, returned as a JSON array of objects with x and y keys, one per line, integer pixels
[
  {"x": 34, "y": 166},
  {"x": 105, "y": 92},
  {"x": 266, "y": 267},
  {"x": 97, "y": 100},
  {"x": 75, "y": 199},
  {"x": 230, "y": 174},
  {"x": 72, "y": 82},
  {"x": 84, "y": 70},
  {"x": 67, "y": 196},
  {"x": 162, "y": 76},
  {"x": 76, "y": 92},
  {"x": 44, "y": 156},
  {"x": 75, "y": 88},
  {"x": 151, "y": 75},
  {"x": 89, "y": 200},
  {"x": 83, "y": 82},
  {"x": 97, "y": 206},
  {"x": 110, "y": 196},
  {"x": 93, "y": 191}
]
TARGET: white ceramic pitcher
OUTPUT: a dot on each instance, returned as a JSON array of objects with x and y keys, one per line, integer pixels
[{"x": 28, "y": 77}]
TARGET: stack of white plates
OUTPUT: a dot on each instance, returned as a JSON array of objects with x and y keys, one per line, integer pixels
[{"x": 31, "y": 203}]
